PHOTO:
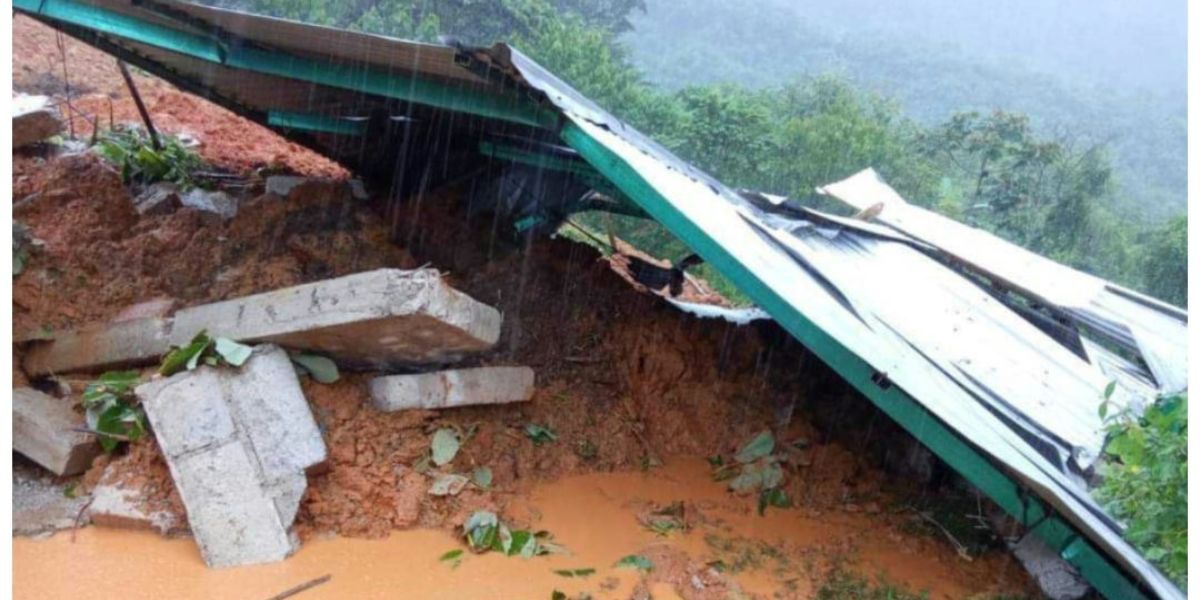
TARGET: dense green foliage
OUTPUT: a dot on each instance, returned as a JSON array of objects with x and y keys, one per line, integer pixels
[
  {"x": 131, "y": 150},
  {"x": 1145, "y": 482},
  {"x": 1056, "y": 194}
]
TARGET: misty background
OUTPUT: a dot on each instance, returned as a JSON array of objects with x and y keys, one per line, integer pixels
[{"x": 1112, "y": 71}]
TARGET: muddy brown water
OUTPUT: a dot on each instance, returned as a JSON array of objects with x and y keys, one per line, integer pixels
[{"x": 594, "y": 516}]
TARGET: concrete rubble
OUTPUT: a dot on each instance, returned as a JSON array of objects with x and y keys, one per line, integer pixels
[
  {"x": 34, "y": 119},
  {"x": 46, "y": 430},
  {"x": 452, "y": 388},
  {"x": 100, "y": 347},
  {"x": 378, "y": 318},
  {"x": 238, "y": 443},
  {"x": 160, "y": 198},
  {"x": 1056, "y": 577},
  {"x": 41, "y": 504},
  {"x": 115, "y": 506},
  {"x": 373, "y": 319}
]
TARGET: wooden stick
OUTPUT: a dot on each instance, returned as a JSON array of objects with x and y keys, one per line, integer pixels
[
  {"x": 137, "y": 100},
  {"x": 288, "y": 593}
]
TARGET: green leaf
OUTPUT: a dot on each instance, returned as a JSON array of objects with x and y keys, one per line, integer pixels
[
  {"x": 482, "y": 477},
  {"x": 575, "y": 572},
  {"x": 1109, "y": 389},
  {"x": 751, "y": 478},
  {"x": 760, "y": 446},
  {"x": 635, "y": 561},
  {"x": 320, "y": 368},
  {"x": 773, "y": 497},
  {"x": 232, "y": 352},
  {"x": 185, "y": 357},
  {"x": 539, "y": 434},
  {"x": 444, "y": 446},
  {"x": 481, "y": 530},
  {"x": 451, "y": 555}
]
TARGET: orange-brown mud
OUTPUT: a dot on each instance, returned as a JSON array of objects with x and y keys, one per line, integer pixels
[
  {"x": 728, "y": 551},
  {"x": 624, "y": 380}
]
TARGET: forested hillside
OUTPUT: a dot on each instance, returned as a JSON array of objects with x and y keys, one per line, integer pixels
[{"x": 763, "y": 98}]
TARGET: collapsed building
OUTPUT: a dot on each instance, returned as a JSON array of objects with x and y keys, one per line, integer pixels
[{"x": 992, "y": 357}]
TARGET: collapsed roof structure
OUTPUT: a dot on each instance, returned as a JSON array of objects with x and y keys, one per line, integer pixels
[{"x": 993, "y": 357}]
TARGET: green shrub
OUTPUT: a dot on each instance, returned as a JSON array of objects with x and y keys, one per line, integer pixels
[
  {"x": 132, "y": 151},
  {"x": 1145, "y": 481}
]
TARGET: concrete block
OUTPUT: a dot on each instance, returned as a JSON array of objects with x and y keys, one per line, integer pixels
[
  {"x": 378, "y": 318},
  {"x": 100, "y": 347},
  {"x": 233, "y": 520},
  {"x": 160, "y": 198},
  {"x": 1056, "y": 577},
  {"x": 189, "y": 411},
  {"x": 34, "y": 119},
  {"x": 238, "y": 442},
  {"x": 453, "y": 388},
  {"x": 43, "y": 430},
  {"x": 123, "y": 508}
]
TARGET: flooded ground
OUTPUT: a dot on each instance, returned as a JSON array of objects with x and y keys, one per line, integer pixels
[{"x": 783, "y": 554}]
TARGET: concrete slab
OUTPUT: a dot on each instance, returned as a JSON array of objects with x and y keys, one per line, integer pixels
[
  {"x": 452, "y": 388},
  {"x": 100, "y": 347},
  {"x": 238, "y": 442},
  {"x": 44, "y": 431},
  {"x": 374, "y": 319},
  {"x": 123, "y": 508},
  {"x": 40, "y": 505},
  {"x": 160, "y": 198},
  {"x": 34, "y": 119}
]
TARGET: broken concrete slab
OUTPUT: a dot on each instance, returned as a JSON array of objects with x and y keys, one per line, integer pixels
[
  {"x": 238, "y": 443},
  {"x": 40, "y": 502},
  {"x": 115, "y": 506},
  {"x": 34, "y": 119},
  {"x": 160, "y": 198},
  {"x": 1056, "y": 577},
  {"x": 452, "y": 388},
  {"x": 100, "y": 346},
  {"x": 45, "y": 429},
  {"x": 378, "y": 318}
]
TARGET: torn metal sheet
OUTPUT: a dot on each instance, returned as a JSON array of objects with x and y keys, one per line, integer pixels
[
  {"x": 997, "y": 398},
  {"x": 1107, "y": 311},
  {"x": 737, "y": 316}
]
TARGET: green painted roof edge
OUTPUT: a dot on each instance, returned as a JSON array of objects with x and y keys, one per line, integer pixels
[{"x": 513, "y": 108}]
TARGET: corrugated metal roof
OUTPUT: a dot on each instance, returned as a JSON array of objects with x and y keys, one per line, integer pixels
[
  {"x": 1154, "y": 329},
  {"x": 1008, "y": 405}
]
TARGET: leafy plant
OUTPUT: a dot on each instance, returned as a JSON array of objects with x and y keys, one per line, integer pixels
[
  {"x": 1145, "y": 481},
  {"x": 540, "y": 434},
  {"x": 755, "y": 467},
  {"x": 841, "y": 584},
  {"x": 132, "y": 151},
  {"x": 112, "y": 412},
  {"x": 635, "y": 561},
  {"x": 485, "y": 532}
]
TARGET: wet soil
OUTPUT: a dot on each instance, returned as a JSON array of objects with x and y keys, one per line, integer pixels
[{"x": 727, "y": 552}]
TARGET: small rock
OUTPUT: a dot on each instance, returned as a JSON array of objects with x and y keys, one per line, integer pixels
[
  {"x": 216, "y": 202},
  {"x": 282, "y": 185},
  {"x": 34, "y": 119},
  {"x": 161, "y": 198}
]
